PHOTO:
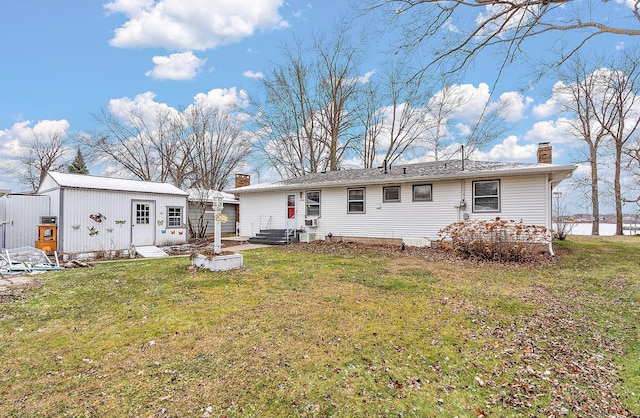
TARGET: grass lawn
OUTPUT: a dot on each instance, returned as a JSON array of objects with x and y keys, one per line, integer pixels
[{"x": 333, "y": 330}]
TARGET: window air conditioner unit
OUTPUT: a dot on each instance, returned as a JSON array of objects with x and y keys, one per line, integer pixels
[
  {"x": 311, "y": 223},
  {"x": 49, "y": 220}
]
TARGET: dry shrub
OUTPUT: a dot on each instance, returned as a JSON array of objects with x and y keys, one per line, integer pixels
[{"x": 497, "y": 240}]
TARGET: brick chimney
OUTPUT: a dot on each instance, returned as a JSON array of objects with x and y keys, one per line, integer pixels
[
  {"x": 243, "y": 180},
  {"x": 544, "y": 153}
]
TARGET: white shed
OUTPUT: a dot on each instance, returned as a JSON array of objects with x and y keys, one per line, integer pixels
[
  {"x": 108, "y": 214},
  {"x": 20, "y": 213}
]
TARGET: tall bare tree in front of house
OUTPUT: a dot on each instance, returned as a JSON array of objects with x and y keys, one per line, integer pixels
[
  {"x": 307, "y": 115},
  {"x": 43, "y": 152}
]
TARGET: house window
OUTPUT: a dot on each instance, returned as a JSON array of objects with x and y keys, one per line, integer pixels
[
  {"x": 355, "y": 200},
  {"x": 422, "y": 193},
  {"x": 313, "y": 204},
  {"x": 391, "y": 194},
  {"x": 174, "y": 217},
  {"x": 486, "y": 196},
  {"x": 143, "y": 214}
]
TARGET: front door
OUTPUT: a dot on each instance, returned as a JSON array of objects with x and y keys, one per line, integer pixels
[
  {"x": 291, "y": 211},
  {"x": 143, "y": 222}
]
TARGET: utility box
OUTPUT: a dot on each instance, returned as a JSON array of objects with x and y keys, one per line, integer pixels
[{"x": 47, "y": 238}]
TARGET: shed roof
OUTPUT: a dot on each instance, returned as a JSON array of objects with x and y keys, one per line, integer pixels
[
  {"x": 405, "y": 173},
  {"x": 81, "y": 181}
]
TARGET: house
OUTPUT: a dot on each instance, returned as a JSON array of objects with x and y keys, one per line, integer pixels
[
  {"x": 406, "y": 203},
  {"x": 97, "y": 214}
]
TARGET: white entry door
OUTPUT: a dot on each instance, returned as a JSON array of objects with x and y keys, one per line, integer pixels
[
  {"x": 143, "y": 222},
  {"x": 291, "y": 211}
]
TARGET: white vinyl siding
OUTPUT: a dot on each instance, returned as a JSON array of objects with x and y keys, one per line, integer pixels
[{"x": 522, "y": 197}]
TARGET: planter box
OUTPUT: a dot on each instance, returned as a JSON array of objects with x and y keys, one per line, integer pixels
[{"x": 219, "y": 262}]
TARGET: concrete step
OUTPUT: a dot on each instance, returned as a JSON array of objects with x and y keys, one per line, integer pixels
[{"x": 151, "y": 251}]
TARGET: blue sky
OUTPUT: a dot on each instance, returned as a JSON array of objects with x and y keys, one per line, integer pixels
[{"x": 64, "y": 60}]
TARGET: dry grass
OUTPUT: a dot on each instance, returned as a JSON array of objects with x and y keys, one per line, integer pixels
[{"x": 338, "y": 330}]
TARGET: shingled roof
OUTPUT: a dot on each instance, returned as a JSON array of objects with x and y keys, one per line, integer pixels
[{"x": 405, "y": 173}]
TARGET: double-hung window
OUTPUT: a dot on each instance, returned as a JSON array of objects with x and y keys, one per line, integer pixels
[
  {"x": 486, "y": 196},
  {"x": 313, "y": 204},
  {"x": 174, "y": 217},
  {"x": 355, "y": 200}
]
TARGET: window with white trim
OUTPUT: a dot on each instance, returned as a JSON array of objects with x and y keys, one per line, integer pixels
[
  {"x": 174, "y": 216},
  {"x": 422, "y": 193},
  {"x": 391, "y": 194},
  {"x": 486, "y": 196},
  {"x": 313, "y": 204},
  {"x": 355, "y": 200}
]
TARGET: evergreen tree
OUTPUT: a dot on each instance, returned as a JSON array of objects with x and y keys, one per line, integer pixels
[{"x": 78, "y": 166}]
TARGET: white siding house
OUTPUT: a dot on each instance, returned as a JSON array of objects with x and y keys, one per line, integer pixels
[
  {"x": 107, "y": 214},
  {"x": 406, "y": 203}
]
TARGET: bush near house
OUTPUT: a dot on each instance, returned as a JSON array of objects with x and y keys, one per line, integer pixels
[{"x": 498, "y": 240}]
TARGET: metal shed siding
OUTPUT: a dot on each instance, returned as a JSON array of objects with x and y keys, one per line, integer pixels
[
  {"x": 19, "y": 217},
  {"x": 76, "y": 205}
]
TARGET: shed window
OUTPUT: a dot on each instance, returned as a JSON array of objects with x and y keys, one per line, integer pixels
[
  {"x": 486, "y": 196},
  {"x": 355, "y": 200},
  {"x": 422, "y": 193},
  {"x": 313, "y": 204},
  {"x": 391, "y": 194},
  {"x": 174, "y": 217}
]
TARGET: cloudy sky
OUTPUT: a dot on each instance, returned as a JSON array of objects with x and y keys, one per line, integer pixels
[{"x": 63, "y": 61}]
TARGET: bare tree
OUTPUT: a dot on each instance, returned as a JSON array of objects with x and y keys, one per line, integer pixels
[
  {"x": 309, "y": 109},
  {"x": 44, "y": 152},
  {"x": 218, "y": 145},
  {"x": 581, "y": 95},
  {"x": 622, "y": 99},
  {"x": 467, "y": 28},
  {"x": 288, "y": 117}
]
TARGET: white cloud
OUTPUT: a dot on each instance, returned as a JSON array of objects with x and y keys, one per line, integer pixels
[
  {"x": 511, "y": 105},
  {"x": 366, "y": 77},
  {"x": 14, "y": 140},
  {"x": 182, "y": 66},
  {"x": 253, "y": 74},
  {"x": 546, "y": 109},
  {"x": 222, "y": 97},
  {"x": 508, "y": 150},
  {"x": 554, "y": 131},
  {"x": 143, "y": 105},
  {"x": 192, "y": 25}
]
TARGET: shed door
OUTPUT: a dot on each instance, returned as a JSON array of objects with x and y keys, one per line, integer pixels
[{"x": 143, "y": 223}]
